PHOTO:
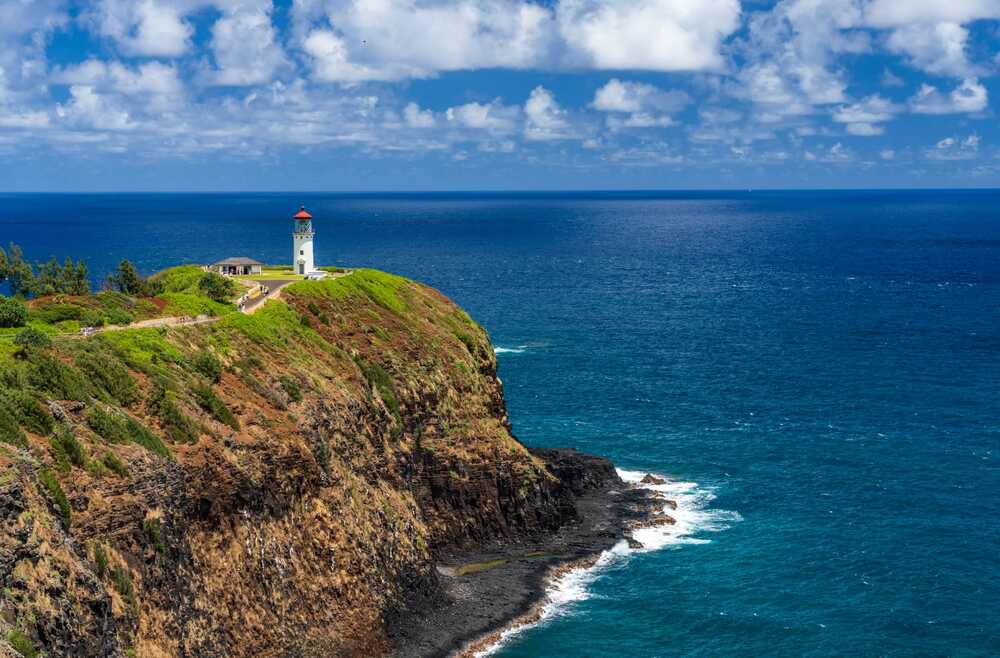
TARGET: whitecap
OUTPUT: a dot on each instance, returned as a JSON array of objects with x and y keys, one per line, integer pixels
[
  {"x": 509, "y": 350},
  {"x": 693, "y": 517}
]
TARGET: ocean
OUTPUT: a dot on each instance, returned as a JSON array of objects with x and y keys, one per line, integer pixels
[{"x": 816, "y": 373}]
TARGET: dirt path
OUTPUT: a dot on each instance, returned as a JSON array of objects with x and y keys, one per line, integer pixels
[
  {"x": 145, "y": 324},
  {"x": 273, "y": 292}
]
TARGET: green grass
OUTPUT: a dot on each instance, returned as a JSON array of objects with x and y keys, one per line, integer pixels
[
  {"x": 274, "y": 325},
  {"x": 183, "y": 303},
  {"x": 143, "y": 348},
  {"x": 380, "y": 287}
]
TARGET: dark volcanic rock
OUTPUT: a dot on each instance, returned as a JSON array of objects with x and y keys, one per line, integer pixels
[{"x": 482, "y": 590}]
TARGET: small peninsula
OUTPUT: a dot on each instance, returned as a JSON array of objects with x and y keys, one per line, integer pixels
[{"x": 324, "y": 476}]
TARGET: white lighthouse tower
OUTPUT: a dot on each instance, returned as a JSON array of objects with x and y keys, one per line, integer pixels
[{"x": 302, "y": 243}]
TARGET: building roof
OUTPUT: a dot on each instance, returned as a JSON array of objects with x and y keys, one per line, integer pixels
[
  {"x": 302, "y": 214},
  {"x": 240, "y": 260}
]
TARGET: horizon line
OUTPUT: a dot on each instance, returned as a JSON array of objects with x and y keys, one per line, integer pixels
[{"x": 651, "y": 190}]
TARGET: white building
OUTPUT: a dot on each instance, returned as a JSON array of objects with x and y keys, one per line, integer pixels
[
  {"x": 241, "y": 266},
  {"x": 302, "y": 243}
]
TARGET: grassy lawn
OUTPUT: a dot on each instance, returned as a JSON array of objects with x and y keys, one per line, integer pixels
[
  {"x": 275, "y": 273},
  {"x": 286, "y": 273}
]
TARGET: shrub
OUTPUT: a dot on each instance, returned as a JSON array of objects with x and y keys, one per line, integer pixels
[
  {"x": 144, "y": 437},
  {"x": 108, "y": 374},
  {"x": 10, "y": 429},
  {"x": 467, "y": 340},
  {"x": 108, "y": 425},
  {"x": 13, "y": 312},
  {"x": 291, "y": 388},
  {"x": 100, "y": 560},
  {"x": 114, "y": 464},
  {"x": 123, "y": 583},
  {"x": 178, "y": 427},
  {"x": 119, "y": 317},
  {"x": 61, "y": 382},
  {"x": 216, "y": 287},
  {"x": 216, "y": 408},
  {"x": 379, "y": 380},
  {"x": 154, "y": 531},
  {"x": 91, "y": 318},
  {"x": 32, "y": 338},
  {"x": 65, "y": 443},
  {"x": 22, "y": 644},
  {"x": 208, "y": 366},
  {"x": 58, "y": 496},
  {"x": 30, "y": 412},
  {"x": 53, "y": 313}
]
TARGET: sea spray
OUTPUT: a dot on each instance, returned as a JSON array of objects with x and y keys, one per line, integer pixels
[{"x": 570, "y": 583}]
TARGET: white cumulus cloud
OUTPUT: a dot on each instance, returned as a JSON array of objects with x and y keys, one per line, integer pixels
[
  {"x": 545, "y": 120},
  {"x": 658, "y": 35},
  {"x": 969, "y": 97}
]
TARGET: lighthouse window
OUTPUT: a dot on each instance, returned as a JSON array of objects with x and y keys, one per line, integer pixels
[{"x": 302, "y": 252}]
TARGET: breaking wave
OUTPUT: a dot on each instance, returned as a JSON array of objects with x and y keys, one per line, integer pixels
[{"x": 693, "y": 517}]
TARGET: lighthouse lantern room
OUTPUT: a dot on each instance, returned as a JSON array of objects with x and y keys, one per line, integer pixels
[{"x": 302, "y": 242}]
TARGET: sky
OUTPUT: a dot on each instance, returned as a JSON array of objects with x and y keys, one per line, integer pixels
[{"x": 410, "y": 95}]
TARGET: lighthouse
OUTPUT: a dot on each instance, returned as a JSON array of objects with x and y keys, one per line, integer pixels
[{"x": 302, "y": 242}]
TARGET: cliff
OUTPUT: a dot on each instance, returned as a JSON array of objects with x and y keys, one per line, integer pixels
[{"x": 276, "y": 484}]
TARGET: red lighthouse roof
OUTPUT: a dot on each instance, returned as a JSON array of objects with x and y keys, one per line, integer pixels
[{"x": 302, "y": 214}]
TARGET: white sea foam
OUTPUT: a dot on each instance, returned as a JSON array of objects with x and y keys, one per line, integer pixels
[
  {"x": 693, "y": 517},
  {"x": 509, "y": 350}
]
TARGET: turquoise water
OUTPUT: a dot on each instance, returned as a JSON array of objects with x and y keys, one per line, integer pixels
[{"x": 825, "y": 365}]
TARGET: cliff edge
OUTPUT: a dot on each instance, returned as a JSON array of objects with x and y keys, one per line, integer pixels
[{"x": 279, "y": 484}]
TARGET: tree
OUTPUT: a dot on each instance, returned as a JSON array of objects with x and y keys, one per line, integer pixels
[
  {"x": 80, "y": 278},
  {"x": 216, "y": 287},
  {"x": 20, "y": 274},
  {"x": 3, "y": 266},
  {"x": 13, "y": 312},
  {"x": 127, "y": 280},
  {"x": 48, "y": 281}
]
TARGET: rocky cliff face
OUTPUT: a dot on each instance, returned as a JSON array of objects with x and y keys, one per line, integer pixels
[{"x": 267, "y": 485}]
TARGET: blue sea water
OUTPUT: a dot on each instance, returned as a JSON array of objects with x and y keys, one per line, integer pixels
[{"x": 825, "y": 364}]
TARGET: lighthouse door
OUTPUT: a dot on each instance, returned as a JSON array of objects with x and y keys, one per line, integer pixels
[{"x": 302, "y": 268}]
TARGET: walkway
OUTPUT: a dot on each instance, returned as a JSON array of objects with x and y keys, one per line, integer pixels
[
  {"x": 183, "y": 321},
  {"x": 273, "y": 292}
]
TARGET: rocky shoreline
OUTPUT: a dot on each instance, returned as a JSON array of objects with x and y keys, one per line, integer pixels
[{"x": 486, "y": 591}]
